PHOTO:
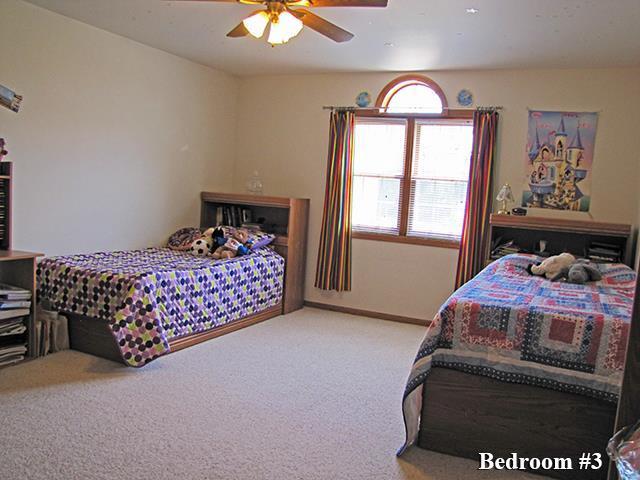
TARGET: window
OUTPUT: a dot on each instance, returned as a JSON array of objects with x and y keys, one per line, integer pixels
[
  {"x": 411, "y": 167},
  {"x": 412, "y": 93},
  {"x": 378, "y": 172}
]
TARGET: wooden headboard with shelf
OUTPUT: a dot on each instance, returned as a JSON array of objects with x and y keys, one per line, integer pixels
[
  {"x": 286, "y": 217},
  {"x": 560, "y": 235}
]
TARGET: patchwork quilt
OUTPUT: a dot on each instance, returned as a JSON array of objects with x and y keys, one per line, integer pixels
[
  {"x": 516, "y": 327},
  {"x": 150, "y": 296}
]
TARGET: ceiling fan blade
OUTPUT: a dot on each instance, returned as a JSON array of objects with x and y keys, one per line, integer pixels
[
  {"x": 248, "y": 2},
  {"x": 239, "y": 31},
  {"x": 322, "y": 26},
  {"x": 349, "y": 3}
]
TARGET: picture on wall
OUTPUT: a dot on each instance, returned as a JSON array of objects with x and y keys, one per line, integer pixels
[{"x": 559, "y": 160}]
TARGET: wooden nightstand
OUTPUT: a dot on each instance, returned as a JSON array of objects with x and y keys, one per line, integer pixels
[{"x": 18, "y": 268}]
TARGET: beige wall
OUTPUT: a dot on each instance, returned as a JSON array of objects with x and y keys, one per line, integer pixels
[
  {"x": 114, "y": 140},
  {"x": 283, "y": 133}
]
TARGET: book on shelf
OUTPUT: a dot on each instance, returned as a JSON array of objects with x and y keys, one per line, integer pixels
[
  {"x": 9, "y": 292},
  {"x": 12, "y": 353},
  {"x": 604, "y": 252},
  {"x": 252, "y": 226},
  {"x": 219, "y": 216},
  {"x": 506, "y": 248},
  {"x": 233, "y": 215},
  {"x": 14, "y": 326},
  {"x": 11, "y": 304},
  {"x": 14, "y": 313}
]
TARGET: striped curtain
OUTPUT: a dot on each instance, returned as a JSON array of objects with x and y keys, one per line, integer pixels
[
  {"x": 333, "y": 268},
  {"x": 479, "y": 199}
]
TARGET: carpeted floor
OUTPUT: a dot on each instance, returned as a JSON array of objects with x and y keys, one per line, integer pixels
[{"x": 311, "y": 395}]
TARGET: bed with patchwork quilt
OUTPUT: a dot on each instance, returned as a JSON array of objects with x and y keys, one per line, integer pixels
[
  {"x": 513, "y": 327},
  {"x": 150, "y": 297}
]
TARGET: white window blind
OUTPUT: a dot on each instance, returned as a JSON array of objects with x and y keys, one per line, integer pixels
[
  {"x": 439, "y": 177},
  {"x": 378, "y": 172},
  {"x": 415, "y": 99}
]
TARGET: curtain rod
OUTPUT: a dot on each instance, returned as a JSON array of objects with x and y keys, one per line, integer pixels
[{"x": 481, "y": 108}]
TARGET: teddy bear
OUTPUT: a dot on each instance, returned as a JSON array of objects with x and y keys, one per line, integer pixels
[
  {"x": 234, "y": 245},
  {"x": 552, "y": 266},
  {"x": 203, "y": 245}
]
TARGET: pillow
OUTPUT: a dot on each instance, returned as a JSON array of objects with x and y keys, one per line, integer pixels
[
  {"x": 183, "y": 238},
  {"x": 256, "y": 238},
  {"x": 260, "y": 239}
]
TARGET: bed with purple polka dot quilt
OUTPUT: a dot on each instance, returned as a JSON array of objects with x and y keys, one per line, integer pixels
[{"x": 153, "y": 295}]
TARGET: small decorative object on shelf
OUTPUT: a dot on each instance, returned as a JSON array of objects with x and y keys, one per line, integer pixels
[
  {"x": 9, "y": 99},
  {"x": 465, "y": 98},
  {"x": 521, "y": 212},
  {"x": 254, "y": 184},
  {"x": 505, "y": 196},
  {"x": 3, "y": 152},
  {"x": 363, "y": 99}
]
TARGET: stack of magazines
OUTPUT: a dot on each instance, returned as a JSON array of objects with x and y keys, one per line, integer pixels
[
  {"x": 15, "y": 306},
  {"x": 604, "y": 252},
  {"x": 503, "y": 249}
]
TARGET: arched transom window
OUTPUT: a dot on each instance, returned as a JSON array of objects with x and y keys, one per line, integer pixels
[
  {"x": 411, "y": 166},
  {"x": 412, "y": 94}
]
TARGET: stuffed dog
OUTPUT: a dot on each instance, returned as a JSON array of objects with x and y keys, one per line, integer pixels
[
  {"x": 552, "y": 266},
  {"x": 580, "y": 273}
]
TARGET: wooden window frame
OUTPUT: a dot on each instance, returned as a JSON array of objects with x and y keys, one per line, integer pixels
[
  {"x": 379, "y": 112},
  {"x": 404, "y": 81}
]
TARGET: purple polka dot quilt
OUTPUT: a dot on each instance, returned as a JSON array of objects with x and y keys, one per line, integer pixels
[
  {"x": 150, "y": 296},
  {"x": 515, "y": 327}
]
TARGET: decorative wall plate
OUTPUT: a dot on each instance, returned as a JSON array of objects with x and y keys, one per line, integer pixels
[
  {"x": 465, "y": 98},
  {"x": 363, "y": 99}
]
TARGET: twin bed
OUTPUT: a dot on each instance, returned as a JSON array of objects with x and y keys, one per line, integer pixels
[
  {"x": 149, "y": 298},
  {"x": 517, "y": 363},
  {"x": 135, "y": 306}
]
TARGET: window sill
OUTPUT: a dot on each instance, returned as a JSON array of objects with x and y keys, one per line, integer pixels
[{"x": 430, "y": 242}]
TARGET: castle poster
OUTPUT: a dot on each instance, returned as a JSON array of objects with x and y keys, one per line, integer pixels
[{"x": 559, "y": 160}]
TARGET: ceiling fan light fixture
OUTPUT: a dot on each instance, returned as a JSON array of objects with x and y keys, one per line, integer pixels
[
  {"x": 256, "y": 23},
  {"x": 284, "y": 28}
]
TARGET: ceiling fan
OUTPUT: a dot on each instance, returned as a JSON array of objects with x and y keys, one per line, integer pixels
[{"x": 287, "y": 18}]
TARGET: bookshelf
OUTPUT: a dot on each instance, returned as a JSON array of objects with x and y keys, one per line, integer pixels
[
  {"x": 18, "y": 268},
  {"x": 6, "y": 169},
  {"x": 285, "y": 217},
  {"x": 574, "y": 236}
]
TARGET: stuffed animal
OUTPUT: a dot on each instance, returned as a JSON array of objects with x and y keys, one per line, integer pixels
[
  {"x": 203, "y": 245},
  {"x": 552, "y": 266},
  {"x": 580, "y": 273},
  {"x": 235, "y": 245},
  {"x": 182, "y": 239},
  {"x": 219, "y": 237}
]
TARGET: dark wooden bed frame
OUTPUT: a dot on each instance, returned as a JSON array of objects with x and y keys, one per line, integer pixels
[
  {"x": 286, "y": 217},
  {"x": 464, "y": 414}
]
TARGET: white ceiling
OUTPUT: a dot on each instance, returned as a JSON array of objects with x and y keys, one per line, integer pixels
[{"x": 407, "y": 35}]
